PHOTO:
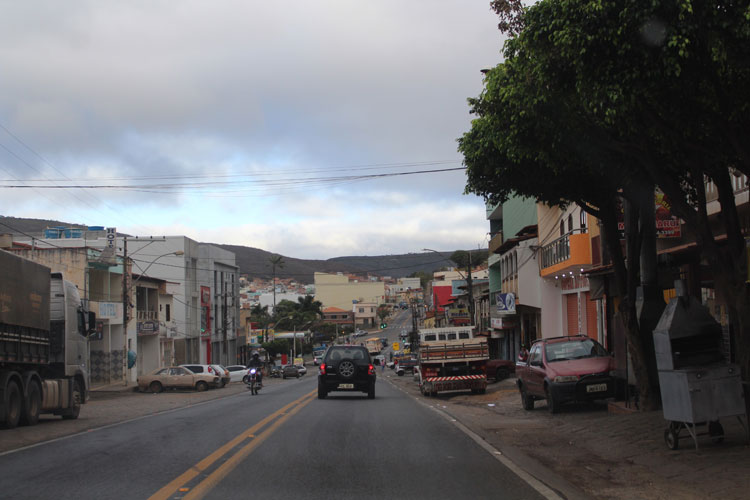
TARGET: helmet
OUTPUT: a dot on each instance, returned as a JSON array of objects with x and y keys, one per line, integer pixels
[{"x": 256, "y": 354}]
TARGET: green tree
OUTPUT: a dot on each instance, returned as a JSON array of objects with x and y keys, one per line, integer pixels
[
  {"x": 625, "y": 96},
  {"x": 278, "y": 346},
  {"x": 424, "y": 278},
  {"x": 383, "y": 311}
]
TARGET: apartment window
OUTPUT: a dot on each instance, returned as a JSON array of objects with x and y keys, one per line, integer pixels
[
  {"x": 562, "y": 228},
  {"x": 583, "y": 221},
  {"x": 570, "y": 222},
  {"x": 168, "y": 313}
]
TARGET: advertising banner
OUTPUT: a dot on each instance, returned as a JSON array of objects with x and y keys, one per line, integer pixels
[{"x": 506, "y": 303}]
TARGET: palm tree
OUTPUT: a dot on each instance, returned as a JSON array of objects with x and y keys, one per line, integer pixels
[{"x": 276, "y": 260}]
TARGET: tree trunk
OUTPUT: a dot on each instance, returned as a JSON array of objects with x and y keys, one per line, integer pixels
[{"x": 626, "y": 287}]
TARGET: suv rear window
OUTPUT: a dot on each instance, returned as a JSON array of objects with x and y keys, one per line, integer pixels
[{"x": 355, "y": 353}]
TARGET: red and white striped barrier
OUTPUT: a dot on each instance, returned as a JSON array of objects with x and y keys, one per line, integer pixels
[{"x": 461, "y": 377}]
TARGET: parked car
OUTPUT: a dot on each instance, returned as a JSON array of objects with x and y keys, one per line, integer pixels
[
  {"x": 499, "y": 369},
  {"x": 237, "y": 372},
  {"x": 208, "y": 369},
  {"x": 275, "y": 371},
  {"x": 302, "y": 370},
  {"x": 290, "y": 371},
  {"x": 564, "y": 369},
  {"x": 346, "y": 368},
  {"x": 223, "y": 374},
  {"x": 176, "y": 377}
]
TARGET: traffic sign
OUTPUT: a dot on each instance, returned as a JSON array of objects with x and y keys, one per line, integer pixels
[{"x": 395, "y": 346}]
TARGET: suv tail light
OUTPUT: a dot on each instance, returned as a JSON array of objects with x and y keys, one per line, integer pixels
[
  {"x": 322, "y": 368},
  {"x": 371, "y": 370}
]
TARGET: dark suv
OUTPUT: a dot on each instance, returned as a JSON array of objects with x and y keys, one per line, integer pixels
[{"x": 346, "y": 368}]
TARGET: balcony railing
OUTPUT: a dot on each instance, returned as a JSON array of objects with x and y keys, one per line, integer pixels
[
  {"x": 147, "y": 315},
  {"x": 568, "y": 251},
  {"x": 496, "y": 242},
  {"x": 556, "y": 252}
]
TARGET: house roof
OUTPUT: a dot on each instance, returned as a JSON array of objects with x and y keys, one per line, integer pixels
[{"x": 334, "y": 310}]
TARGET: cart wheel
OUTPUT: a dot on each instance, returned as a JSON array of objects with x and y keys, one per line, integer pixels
[
  {"x": 671, "y": 438},
  {"x": 716, "y": 431}
]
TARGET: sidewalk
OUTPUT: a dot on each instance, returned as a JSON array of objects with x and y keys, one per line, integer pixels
[{"x": 606, "y": 455}]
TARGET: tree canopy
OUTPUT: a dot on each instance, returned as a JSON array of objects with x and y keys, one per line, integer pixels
[{"x": 596, "y": 100}]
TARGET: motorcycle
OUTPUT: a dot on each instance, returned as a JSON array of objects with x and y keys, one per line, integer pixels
[{"x": 253, "y": 381}]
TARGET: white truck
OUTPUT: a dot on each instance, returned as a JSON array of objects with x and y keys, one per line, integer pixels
[
  {"x": 43, "y": 343},
  {"x": 451, "y": 359}
]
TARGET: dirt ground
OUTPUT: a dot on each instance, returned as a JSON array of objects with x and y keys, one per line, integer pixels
[{"x": 605, "y": 455}]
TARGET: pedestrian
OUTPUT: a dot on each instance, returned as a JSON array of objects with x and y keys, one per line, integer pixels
[{"x": 382, "y": 365}]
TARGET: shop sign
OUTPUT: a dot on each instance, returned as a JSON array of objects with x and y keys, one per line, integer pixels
[
  {"x": 502, "y": 323},
  {"x": 506, "y": 303},
  {"x": 147, "y": 327}
]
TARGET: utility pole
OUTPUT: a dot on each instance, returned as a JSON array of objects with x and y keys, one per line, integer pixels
[
  {"x": 125, "y": 308},
  {"x": 471, "y": 291}
]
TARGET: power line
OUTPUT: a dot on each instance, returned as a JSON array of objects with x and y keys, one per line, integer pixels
[{"x": 182, "y": 187}]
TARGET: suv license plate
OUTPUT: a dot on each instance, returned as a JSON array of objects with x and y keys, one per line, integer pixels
[
  {"x": 346, "y": 386},
  {"x": 596, "y": 388}
]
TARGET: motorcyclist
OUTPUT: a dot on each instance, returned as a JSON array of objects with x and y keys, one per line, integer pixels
[{"x": 256, "y": 363}]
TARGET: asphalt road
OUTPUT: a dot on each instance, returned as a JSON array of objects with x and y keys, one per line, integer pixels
[{"x": 282, "y": 443}]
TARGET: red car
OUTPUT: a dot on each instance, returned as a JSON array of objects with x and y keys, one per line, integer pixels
[
  {"x": 499, "y": 369},
  {"x": 564, "y": 369}
]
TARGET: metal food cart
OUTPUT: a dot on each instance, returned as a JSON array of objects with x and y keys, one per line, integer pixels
[{"x": 698, "y": 386}]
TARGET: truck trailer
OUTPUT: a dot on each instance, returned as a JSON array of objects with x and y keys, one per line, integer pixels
[
  {"x": 451, "y": 359},
  {"x": 44, "y": 351}
]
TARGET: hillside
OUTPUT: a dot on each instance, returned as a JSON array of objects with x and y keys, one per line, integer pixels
[{"x": 255, "y": 262}]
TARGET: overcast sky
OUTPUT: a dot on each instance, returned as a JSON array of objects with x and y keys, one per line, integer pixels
[{"x": 247, "y": 122}]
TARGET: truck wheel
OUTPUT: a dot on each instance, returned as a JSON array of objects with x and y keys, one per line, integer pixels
[
  {"x": 155, "y": 386},
  {"x": 552, "y": 404},
  {"x": 526, "y": 400},
  {"x": 201, "y": 386},
  {"x": 12, "y": 405},
  {"x": 73, "y": 412},
  {"x": 32, "y": 405}
]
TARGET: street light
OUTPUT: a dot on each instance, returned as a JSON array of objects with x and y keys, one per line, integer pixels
[
  {"x": 468, "y": 284},
  {"x": 143, "y": 273}
]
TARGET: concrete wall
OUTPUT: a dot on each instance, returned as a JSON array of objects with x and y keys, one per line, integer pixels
[
  {"x": 334, "y": 290},
  {"x": 552, "y": 313},
  {"x": 517, "y": 213}
]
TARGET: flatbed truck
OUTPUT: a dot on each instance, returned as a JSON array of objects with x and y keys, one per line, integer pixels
[
  {"x": 44, "y": 352},
  {"x": 451, "y": 359}
]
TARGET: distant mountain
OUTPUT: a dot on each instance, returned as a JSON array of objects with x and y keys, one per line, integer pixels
[{"x": 256, "y": 264}]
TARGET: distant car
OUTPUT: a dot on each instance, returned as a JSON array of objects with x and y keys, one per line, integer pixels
[
  {"x": 499, "y": 369},
  {"x": 176, "y": 377},
  {"x": 223, "y": 374},
  {"x": 237, "y": 372},
  {"x": 318, "y": 359},
  {"x": 378, "y": 360},
  {"x": 275, "y": 371},
  {"x": 208, "y": 369},
  {"x": 302, "y": 370},
  {"x": 346, "y": 368},
  {"x": 290, "y": 371}
]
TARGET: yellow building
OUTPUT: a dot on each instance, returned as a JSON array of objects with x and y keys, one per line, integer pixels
[{"x": 336, "y": 290}]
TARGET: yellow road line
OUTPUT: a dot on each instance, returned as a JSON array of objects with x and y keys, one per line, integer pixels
[
  {"x": 201, "y": 489},
  {"x": 166, "y": 492}
]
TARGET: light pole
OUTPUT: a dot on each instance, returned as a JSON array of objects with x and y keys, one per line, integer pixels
[
  {"x": 126, "y": 289},
  {"x": 467, "y": 279}
]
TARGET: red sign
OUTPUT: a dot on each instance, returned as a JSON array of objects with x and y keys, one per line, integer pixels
[{"x": 205, "y": 311}]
